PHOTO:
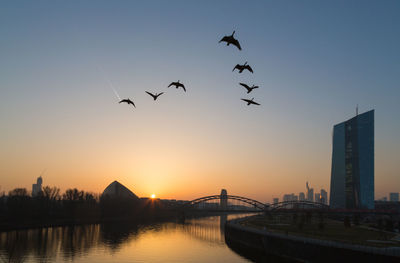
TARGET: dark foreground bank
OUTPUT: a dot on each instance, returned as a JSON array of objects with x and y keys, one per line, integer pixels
[
  {"x": 21, "y": 211},
  {"x": 251, "y": 241}
]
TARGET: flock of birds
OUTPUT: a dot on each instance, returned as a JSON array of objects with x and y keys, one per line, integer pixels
[
  {"x": 177, "y": 84},
  {"x": 230, "y": 40}
]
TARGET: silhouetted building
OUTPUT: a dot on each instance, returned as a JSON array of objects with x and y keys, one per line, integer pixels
[
  {"x": 310, "y": 193},
  {"x": 173, "y": 203},
  {"x": 302, "y": 196},
  {"x": 287, "y": 197},
  {"x": 115, "y": 189},
  {"x": 394, "y": 197},
  {"x": 388, "y": 206},
  {"x": 290, "y": 197},
  {"x": 317, "y": 197},
  {"x": 324, "y": 197},
  {"x": 224, "y": 199},
  {"x": 275, "y": 200},
  {"x": 37, "y": 188},
  {"x": 352, "y": 175}
]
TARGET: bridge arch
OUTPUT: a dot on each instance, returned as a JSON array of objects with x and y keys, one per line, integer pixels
[
  {"x": 224, "y": 197},
  {"x": 297, "y": 205},
  {"x": 252, "y": 202}
]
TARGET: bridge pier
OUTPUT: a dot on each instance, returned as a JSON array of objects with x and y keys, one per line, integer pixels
[{"x": 223, "y": 203}]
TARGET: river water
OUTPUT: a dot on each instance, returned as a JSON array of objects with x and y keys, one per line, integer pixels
[{"x": 194, "y": 240}]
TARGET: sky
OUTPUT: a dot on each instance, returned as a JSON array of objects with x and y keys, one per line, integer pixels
[{"x": 313, "y": 60}]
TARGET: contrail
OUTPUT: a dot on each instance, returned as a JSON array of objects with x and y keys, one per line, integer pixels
[
  {"x": 116, "y": 94},
  {"x": 43, "y": 172},
  {"x": 109, "y": 82}
]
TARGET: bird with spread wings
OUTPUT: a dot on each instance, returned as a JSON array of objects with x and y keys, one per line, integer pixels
[
  {"x": 128, "y": 101},
  {"x": 177, "y": 85},
  {"x": 230, "y": 40},
  {"x": 240, "y": 68},
  {"x": 155, "y": 96},
  {"x": 249, "y": 89},
  {"x": 250, "y": 101}
]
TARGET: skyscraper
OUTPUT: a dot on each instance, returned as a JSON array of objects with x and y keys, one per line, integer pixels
[
  {"x": 37, "y": 188},
  {"x": 310, "y": 193},
  {"x": 394, "y": 197},
  {"x": 324, "y": 197},
  {"x": 352, "y": 174},
  {"x": 317, "y": 197}
]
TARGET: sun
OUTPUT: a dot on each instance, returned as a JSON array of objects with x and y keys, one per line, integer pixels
[{"x": 153, "y": 196}]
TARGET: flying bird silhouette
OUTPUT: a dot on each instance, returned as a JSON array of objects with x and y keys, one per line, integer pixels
[
  {"x": 243, "y": 67},
  {"x": 155, "y": 96},
  {"x": 249, "y": 89},
  {"x": 251, "y": 101},
  {"x": 231, "y": 40},
  {"x": 177, "y": 85},
  {"x": 128, "y": 101}
]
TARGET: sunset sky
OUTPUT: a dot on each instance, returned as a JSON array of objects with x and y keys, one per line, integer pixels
[{"x": 313, "y": 60}]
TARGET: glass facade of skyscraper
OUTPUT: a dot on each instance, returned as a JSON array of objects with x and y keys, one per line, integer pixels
[{"x": 352, "y": 175}]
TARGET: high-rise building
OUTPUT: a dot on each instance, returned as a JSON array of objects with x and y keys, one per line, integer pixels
[
  {"x": 287, "y": 197},
  {"x": 310, "y": 193},
  {"x": 317, "y": 197},
  {"x": 302, "y": 196},
  {"x": 275, "y": 200},
  {"x": 324, "y": 197},
  {"x": 37, "y": 188},
  {"x": 290, "y": 197},
  {"x": 394, "y": 197},
  {"x": 352, "y": 174}
]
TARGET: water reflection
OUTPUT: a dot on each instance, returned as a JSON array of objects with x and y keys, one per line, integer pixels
[
  {"x": 113, "y": 235},
  {"x": 47, "y": 243},
  {"x": 209, "y": 230},
  {"x": 177, "y": 242}
]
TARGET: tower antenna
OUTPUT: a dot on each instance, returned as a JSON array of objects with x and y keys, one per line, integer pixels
[
  {"x": 357, "y": 110},
  {"x": 44, "y": 170}
]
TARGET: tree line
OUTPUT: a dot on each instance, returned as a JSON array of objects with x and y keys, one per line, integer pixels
[{"x": 51, "y": 207}]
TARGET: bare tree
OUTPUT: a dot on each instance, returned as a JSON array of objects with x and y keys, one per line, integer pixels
[
  {"x": 51, "y": 193},
  {"x": 18, "y": 192},
  {"x": 73, "y": 195}
]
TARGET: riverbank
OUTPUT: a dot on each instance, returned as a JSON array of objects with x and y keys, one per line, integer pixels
[
  {"x": 165, "y": 215},
  {"x": 6, "y": 226},
  {"x": 322, "y": 227},
  {"x": 243, "y": 237}
]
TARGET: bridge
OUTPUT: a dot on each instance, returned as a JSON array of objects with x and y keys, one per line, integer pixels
[
  {"x": 297, "y": 205},
  {"x": 252, "y": 205},
  {"x": 226, "y": 202}
]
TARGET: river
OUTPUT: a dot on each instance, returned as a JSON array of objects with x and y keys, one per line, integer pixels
[{"x": 194, "y": 240}]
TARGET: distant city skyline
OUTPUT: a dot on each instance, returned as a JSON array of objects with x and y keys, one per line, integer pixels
[
  {"x": 309, "y": 195},
  {"x": 313, "y": 62}
]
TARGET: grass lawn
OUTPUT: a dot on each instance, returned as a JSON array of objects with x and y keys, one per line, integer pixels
[{"x": 333, "y": 230}]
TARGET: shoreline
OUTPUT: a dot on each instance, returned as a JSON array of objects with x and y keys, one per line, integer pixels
[
  {"x": 149, "y": 218},
  {"x": 16, "y": 226},
  {"x": 244, "y": 238}
]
